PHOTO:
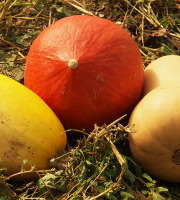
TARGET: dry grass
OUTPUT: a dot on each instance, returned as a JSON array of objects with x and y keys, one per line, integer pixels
[{"x": 99, "y": 167}]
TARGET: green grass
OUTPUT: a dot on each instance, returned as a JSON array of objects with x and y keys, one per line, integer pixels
[{"x": 99, "y": 166}]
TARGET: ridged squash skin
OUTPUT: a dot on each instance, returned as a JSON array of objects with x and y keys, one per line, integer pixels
[
  {"x": 155, "y": 144},
  {"x": 87, "y": 69},
  {"x": 29, "y": 129},
  {"x": 164, "y": 70}
]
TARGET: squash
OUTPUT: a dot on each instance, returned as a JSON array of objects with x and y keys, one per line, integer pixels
[
  {"x": 155, "y": 144},
  {"x": 87, "y": 69},
  {"x": 165, "y": 69},
  {"x": 29, "y": 129}
]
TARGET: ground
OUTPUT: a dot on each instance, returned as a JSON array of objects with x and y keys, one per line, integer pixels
[{"x": 154, "y": 26}]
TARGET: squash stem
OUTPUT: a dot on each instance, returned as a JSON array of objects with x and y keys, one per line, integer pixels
[{"x": 73, "y": 64}]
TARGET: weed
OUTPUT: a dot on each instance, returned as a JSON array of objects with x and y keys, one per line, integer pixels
[{"x": 100, "y": 165}]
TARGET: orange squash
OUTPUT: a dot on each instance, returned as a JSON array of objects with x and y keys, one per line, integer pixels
[{"x": 87, "y": 69}]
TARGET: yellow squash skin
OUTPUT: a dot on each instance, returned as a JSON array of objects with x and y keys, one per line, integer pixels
[
  {"x": 29, "y": 129},
  {"x": 164, "y": 70},
  {"x": 155, "y": 144}
]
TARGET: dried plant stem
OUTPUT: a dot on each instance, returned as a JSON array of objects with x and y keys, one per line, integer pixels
[
  {"x": 79, "y": 7},
  {"x": 111, "y": 187},
  {"x": 104, "y": 130},
  {"x": 13, "y": 45},
  {"x": 142, "y": 34},
  {"x": 29, "y": 18},
  {"x": 83, "y": 186},
  {"x": 12, "y": 4},
  {"x": 116, "y": 152},
  {"x": 175, "y": 35},
  {"x": 50, "y": 15},
  {"x": 152, "y": 20},
  {"x": 106, "y": 165},
  {"x": 78, "y": 3},
  {"x": 28, "y": 172},
  {"x": 21, "y": 55},
  {"x": 46, "y": 187},
  {"x": 6, "y": 6},
  {"x": 122, "y": 163}
]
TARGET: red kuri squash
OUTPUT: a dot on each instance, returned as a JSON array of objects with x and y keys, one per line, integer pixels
[{"x": 87, "y": 69}]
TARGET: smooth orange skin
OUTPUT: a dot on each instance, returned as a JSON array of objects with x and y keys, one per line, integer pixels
[
  {"x": 164, "y": 70},
  {"x": 157, "y": 132},
  {"x": 107, "y": 82}
]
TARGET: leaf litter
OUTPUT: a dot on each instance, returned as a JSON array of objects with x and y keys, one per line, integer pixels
[{"x": 98, "y": 166}]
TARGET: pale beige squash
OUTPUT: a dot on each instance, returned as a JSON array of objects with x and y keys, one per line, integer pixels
[
  {"x": 163, "y": 70},
  {"x": 155, "y": 144}
]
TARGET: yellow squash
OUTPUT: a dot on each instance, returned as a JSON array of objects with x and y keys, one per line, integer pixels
[{"x": 29, "y": 129}]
